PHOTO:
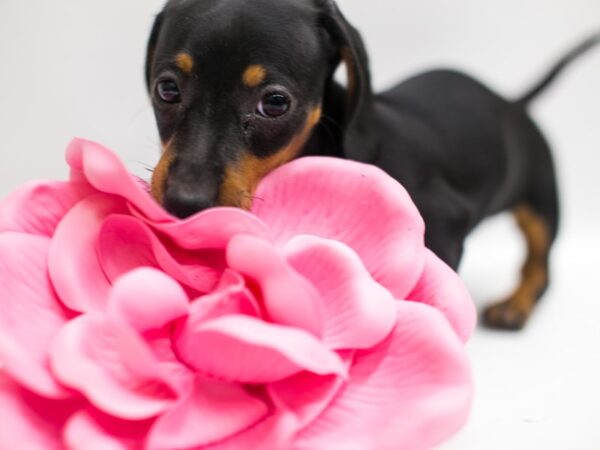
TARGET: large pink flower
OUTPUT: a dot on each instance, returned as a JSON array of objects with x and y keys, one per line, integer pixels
[{"x": 318, "y": 320}]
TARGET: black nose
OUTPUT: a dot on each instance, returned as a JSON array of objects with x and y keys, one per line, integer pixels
[{"x": 183, "y": 203}]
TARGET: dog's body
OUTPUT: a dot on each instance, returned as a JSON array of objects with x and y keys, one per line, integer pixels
[{"x": 461, "y": 151}]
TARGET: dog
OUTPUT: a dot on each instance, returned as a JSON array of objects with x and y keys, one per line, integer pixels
[{"x": 241, "y": 87}]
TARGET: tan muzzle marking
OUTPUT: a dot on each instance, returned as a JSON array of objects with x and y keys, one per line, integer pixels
[
  {"x": 159, "y": 176},
  {"x": 242, "y": 178}
]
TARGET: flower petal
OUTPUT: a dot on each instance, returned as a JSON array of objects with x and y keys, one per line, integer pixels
[
  {"x": 357, "y": 204},
  {"x": 31, "y": 422},
  {"x": 358, "y": 311},
  {"x": 105, "y": 171},
  {"x": 113, "y": 367},
  {"x": 212, "y": 228},
  {"x": 408, "y": 393},
  {"x": 213, "y": 411},
  {"x": 147, "y": 299},
  {"x": 230, "y": 297},
  {"x": 91, "y": 430},
  {"x": 442, "y": 288},
  {"x": 305, "y": 394},
  {"x": 288, "y": 299},
  {"x": 38, "y": 207},
  {"x": 73, "y": 263},
  {"x": 30, "y": 313},
  {"x": 126, "y": 243},
  {"x": 256, "y": 352},
  {"x": 275, "y": 432}
]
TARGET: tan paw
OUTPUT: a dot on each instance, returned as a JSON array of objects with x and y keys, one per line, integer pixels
[{"x": 506, "y": 315}]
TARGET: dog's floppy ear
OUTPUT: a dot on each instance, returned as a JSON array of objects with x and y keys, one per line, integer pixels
[
  {"x": 152, "y": 41},
  {"x": 359, "y": 134}
]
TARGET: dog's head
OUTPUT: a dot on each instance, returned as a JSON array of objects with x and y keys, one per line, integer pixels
[{"x": 238, "y": 88}]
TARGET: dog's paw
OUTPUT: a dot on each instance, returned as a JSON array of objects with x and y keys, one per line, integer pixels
[{"x": 506, "y": 315}]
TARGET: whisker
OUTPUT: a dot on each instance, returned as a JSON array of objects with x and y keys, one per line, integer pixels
[
  {"x": 332, "y": 121},
  {"x": 328, "y": 130},
  {"x": 141, "y": 163},
  {"x": 252, "y": 197}
]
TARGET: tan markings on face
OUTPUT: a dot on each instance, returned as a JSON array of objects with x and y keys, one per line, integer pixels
[
  {"x": 254, "y": 75},
  {"x": 241, "y": 178},
  {"x": 185, "y": 62},
  {"x": 159, "y": 176}
]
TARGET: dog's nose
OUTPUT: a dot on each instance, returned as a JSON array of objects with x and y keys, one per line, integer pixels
[{"x": 183, "y": 203}]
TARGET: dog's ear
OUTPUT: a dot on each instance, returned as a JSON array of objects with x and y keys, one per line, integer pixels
[
  {"x": 359, "y": 133},
  {"x": 152, "y": 42}
]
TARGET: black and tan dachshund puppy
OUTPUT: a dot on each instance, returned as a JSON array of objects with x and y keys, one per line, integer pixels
[{"x": 241, "y": 87}]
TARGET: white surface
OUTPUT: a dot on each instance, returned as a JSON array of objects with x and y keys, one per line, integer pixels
[
  {"x": 75, "y": 67},
  {"x": 537, "y": 389}
]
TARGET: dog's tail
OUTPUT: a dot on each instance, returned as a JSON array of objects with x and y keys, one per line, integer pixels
[{"x": 558, "y": 68}]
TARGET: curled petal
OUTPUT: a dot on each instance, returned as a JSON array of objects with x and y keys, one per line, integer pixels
[
  {"x": 212, "y": 228},
  {"x": 38, "y": 207},
  {"x": 440, "y": 287},
  {"x": 147, "y": 299},
  {"x": 30, "y": 313},
  {"x": 103, "y": 170},
  {"x": 230, "y": 297},
  {"x": 30, "y": 422},
  {"x": 358, "y": 312},
  {"x": 113, "y": 367},
  {"x": 409, "y": 392},
  {"x": 288, "y": 299},
  {"x": 126, "y": 243},
  {"x": 91, "y": 430},
  {"x": 307, "y": 395},
  {"x": 275, "y": 432},
  {"x": 73, "y": 263},
  {"x": 256, "y": 352},
  {"x": 213, "y": 412},
  {"x": 357, "y": 204}
]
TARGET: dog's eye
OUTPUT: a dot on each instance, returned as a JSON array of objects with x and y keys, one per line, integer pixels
[
  {"x": 273, "y": 105},
  {"x": 168, "y": 91}
]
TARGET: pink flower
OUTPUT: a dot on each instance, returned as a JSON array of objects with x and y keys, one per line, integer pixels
[{"x": 316, "y": 321}]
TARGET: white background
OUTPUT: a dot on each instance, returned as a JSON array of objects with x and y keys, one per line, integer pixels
[{"x": 74, "y": 67}]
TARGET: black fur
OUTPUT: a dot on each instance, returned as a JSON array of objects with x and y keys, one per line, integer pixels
[{"x": 462, "y": 151}]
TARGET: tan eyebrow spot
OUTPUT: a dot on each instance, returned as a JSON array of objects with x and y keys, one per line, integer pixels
[
  {"x": 185, "y": 62},
  {"x": 254, "y": 75},
  {"x": 242, "y": 178}
]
